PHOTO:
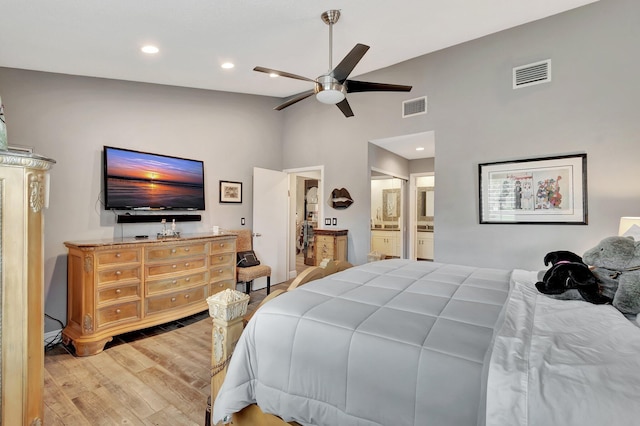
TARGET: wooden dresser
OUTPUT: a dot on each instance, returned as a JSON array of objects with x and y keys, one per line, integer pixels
[
  {"x": 23, "y": 189},
  {"x": 114, "y": 287},
  {"x": 330, "y": 244}
]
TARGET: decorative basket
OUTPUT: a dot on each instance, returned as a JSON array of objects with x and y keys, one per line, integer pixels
[{"x": 228, "y": 304}]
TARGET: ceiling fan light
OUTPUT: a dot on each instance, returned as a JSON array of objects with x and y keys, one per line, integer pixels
[
  {"x": 331, "y": 96},
  {"x": 329, "y": 91}
]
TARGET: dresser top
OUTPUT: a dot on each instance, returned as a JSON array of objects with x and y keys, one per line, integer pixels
[
  {"x": 150, "y": 240},
  {"x": 332, "y": 232}
]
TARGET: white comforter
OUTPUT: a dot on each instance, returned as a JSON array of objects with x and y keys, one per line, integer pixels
[
  {"x": 561, "y": 362},
  {"x": 394, "y": 342},
  {"x": 419, "y": 343}
]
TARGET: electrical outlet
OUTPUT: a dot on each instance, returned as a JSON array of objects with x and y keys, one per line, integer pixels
[
  {"x": 242, "y": 221},
  {"x": 327, "y": 221},
  {"x": 335, "y": 221}
]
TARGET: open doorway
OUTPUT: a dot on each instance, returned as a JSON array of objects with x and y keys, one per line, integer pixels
[
  {"x": 388, "y": 215},
  {"x": 414, "y": 158},
  {"x": 306, "y": 211},
  {"x": 421, "y": 222}
]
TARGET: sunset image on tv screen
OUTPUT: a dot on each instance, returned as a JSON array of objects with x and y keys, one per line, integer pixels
[{"x": 136, "y": 180}]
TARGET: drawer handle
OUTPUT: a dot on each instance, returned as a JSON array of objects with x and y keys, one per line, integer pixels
[
  {"x": 220, "y": 258},
  {"x": 174, "y": 282},
  {"x": 221, "y": 244},
  {"x": 186, "y": 265},
  {"x": 173, "y": 299},
  {"x": 187, "y": 279},
  {"x": 117, "y": 254},
  {"x": 118, "y": 311},
  {"x": 186, "y": 249},
  {"x": 118, "y": 291},
  {"x": 118, "y": 273},
  {"x": 174, "y": 266},
  {"x": 186, "y": 296},
  {"x": 173, "y": 250},
  {"x": 220, "y": 271}
]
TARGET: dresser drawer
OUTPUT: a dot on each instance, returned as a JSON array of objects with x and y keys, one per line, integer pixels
[
  {"x": 119, "y": 274},
  {"x": 110, "y": 294},
  {"x": 222, "y": 285},
  {"x": 224, "y": 246},
  {"x": 164, "y": 303},
  {"x": 175, "y": 251},
  {"x": 178, "y": 266},
  {"x": 176, "y": 283},
  {"x": 110, "y": 257},
  {"x": 221, "y": 259},
  {"x": 115, "y": 314},
  {"x": 324, "y": 246},
  {"x": 225, "y": 272}
]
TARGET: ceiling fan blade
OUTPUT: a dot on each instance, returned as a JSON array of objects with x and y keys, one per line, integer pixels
[
  {"x": 345, "y": 108},
  {"x": 365, "y": 86},
  {"x": 294, "y": 100},
  {"x": 282, "y": 73},
  {"x": 349, "y": 62}
]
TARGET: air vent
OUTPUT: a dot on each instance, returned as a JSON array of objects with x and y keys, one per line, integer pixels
[
  {"x": 528, "y": 75},
  {"x": 413, "y": 107}
]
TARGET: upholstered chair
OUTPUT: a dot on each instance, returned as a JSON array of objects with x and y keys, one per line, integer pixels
[{"x": 246, "y": 275}]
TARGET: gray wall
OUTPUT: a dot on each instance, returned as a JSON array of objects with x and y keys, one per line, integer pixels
[
  {"x": 70, "y": 119},
  {"x": 422, "y": 165},
  {"x": 590, "y": 106}
]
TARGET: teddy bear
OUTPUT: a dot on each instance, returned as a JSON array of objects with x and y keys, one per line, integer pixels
[
  {"x": 569, "y": 278},
  {"x": 615, "y": 262}
]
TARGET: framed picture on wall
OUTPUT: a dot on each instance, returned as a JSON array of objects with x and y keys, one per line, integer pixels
[
  {"x": 390, "y": 204},
  {"x": 549, "y": 190},
  {"x": 230, "y": 192}
]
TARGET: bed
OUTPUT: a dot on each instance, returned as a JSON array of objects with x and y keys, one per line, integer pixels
[{"x": 399, "y": 342}]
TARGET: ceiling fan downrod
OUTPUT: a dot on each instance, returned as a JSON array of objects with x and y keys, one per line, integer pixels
[{"x": 330, "y": 17}]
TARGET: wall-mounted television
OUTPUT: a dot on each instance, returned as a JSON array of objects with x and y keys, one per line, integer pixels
[{"x": 135, "y": 180}]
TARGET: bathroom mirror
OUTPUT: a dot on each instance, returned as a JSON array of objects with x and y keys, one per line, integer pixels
[{"x": 425, "y": 203}]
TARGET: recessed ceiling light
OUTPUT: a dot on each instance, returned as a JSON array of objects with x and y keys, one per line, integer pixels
[
  {"x": 227, "y": 65},
  {"x": 420, "y": 148},
  {"x": 150, "y": 49}
]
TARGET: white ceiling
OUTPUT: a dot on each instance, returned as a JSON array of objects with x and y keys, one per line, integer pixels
[
  {"x": 103, "y": 38},
  {"x": 407, "y": 145}
]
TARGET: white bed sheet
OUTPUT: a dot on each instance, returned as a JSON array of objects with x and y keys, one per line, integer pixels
[{"x": 562, "y": 362}]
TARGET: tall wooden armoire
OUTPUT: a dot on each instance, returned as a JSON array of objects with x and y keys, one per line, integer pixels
[{"x": 23, "y": 194}]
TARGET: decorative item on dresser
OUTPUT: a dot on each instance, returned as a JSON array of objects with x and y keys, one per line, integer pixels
[
  {"x": 330, "y": 244},
  {"x": 23, "y": 189},
  {"x": 117, "y": 286}
]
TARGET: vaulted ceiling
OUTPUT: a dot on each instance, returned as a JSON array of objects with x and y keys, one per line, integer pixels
[{"x": 195, "y": 37}]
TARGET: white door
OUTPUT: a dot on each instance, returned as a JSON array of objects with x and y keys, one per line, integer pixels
[{"x": 270, "y": 220}]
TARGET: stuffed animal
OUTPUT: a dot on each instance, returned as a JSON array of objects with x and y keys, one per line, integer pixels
[
  {"x": 570, "y": 278},
  {"x": 615, "y": 263}
]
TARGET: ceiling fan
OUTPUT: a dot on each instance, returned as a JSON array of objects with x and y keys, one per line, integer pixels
[{"x": 332, "y": 87}]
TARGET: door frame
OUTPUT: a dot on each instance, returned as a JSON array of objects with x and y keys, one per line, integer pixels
[
  {"x": 293, "y": 172},
  {"x": 413, "y": 215},
  {"x": 403, "y": 216}
]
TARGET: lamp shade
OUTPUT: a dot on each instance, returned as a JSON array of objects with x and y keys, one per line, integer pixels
[{"x": 629, "y": 226}]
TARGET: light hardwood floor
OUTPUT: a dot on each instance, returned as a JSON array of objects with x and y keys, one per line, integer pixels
[{"x": 157, "y": 376}]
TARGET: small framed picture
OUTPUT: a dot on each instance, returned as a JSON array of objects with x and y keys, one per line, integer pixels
[{"x": 230, "y": 192}]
